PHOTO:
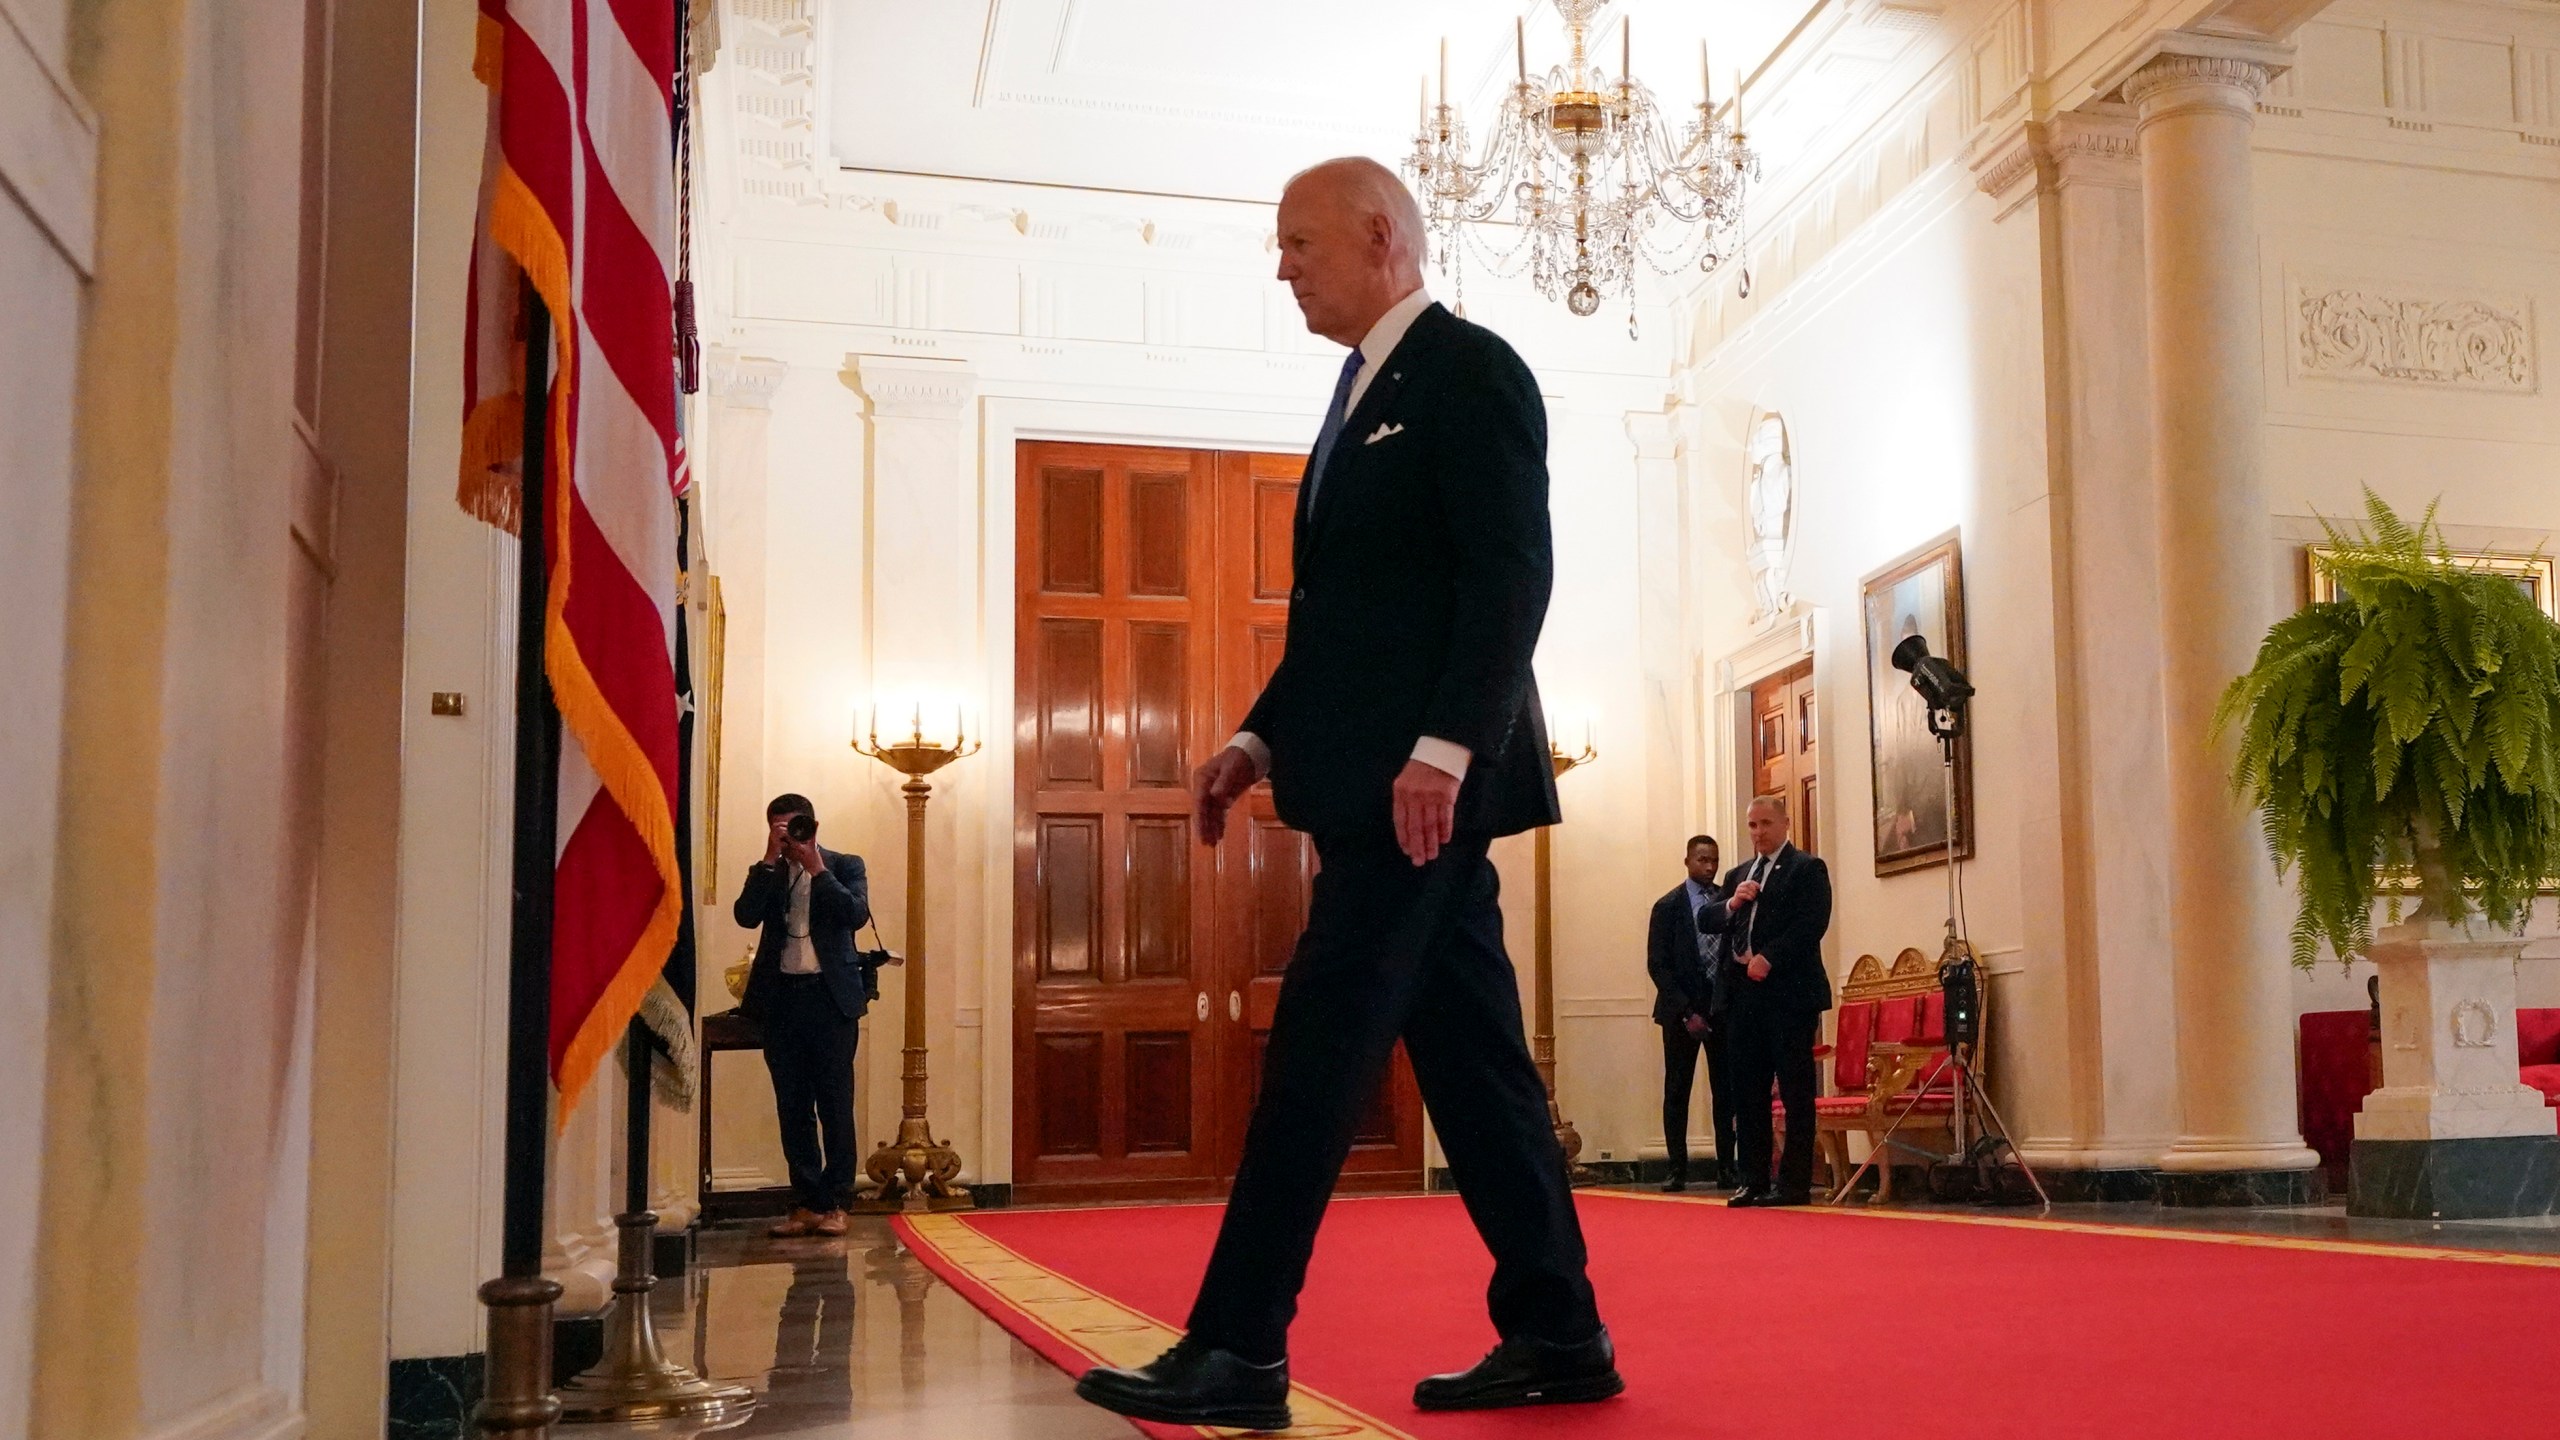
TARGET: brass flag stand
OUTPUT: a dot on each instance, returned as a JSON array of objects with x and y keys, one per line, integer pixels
[
  {"x": 634, "y": 1380},
  {"x": 915, "y": 1171}
]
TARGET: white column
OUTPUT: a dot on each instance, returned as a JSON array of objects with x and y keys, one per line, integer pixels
[{"x": 2227, "y": 955}]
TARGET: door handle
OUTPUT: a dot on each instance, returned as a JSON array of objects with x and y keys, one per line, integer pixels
[
  {"x": 1235, "y": 1005},
  {"x": 1202, "y": 1009}
]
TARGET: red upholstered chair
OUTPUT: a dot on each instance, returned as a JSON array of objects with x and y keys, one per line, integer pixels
[
  {"x": 2334, "y": 1072},
  {"x": 1906, "y": 1040}
]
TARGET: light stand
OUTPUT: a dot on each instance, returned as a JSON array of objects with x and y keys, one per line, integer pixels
[
  {"x": 915, "y": 1171},
  {"x": 1946, "y": 692},
  {"x": 1542, "y": 981}
]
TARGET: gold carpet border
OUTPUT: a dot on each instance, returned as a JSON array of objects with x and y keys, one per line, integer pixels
[
  {"x": 2381, "y": 1248},
  {"x": 1110, "y": 1332}
]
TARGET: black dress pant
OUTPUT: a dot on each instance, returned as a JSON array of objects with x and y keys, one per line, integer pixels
[
  {"x": 808, "y": 1048},
  {"x": 1680, "y": 1054},
  {"x": 1766, "y": 1046},
  {"x": 1392, "y": 950}
]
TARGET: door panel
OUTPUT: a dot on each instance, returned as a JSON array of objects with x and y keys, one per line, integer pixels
[
  {"x": 1152, "y": 595},
  {"x": 1115, "y": 1054},
  {"x": 1784, "y": 758}
]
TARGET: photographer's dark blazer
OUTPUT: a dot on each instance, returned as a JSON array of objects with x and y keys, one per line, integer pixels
[
  {"x": 1423, "y": 566},
  {"x": 839, "y": 904},
  {"x": 1682, "y": 984},
  {"x": 1794, "y": 909}
]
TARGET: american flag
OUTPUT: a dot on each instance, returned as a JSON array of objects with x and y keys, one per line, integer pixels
[{"x": 578, "y": 199}]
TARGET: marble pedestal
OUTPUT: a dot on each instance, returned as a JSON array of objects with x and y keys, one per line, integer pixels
[{"x": 2452, "y": 1134}]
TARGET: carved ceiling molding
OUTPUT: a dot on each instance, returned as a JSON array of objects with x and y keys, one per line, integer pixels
[
  {"x": 772, "y": 50},
  {"x": 903, "y": 387},
  {"x": 2402, "y": 334}
]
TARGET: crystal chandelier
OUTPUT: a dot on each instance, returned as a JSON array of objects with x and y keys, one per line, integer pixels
[{"x": 1581, "y": 181}]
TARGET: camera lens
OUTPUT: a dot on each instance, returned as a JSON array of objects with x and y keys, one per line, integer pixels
[{"x": 801, "y": 828}]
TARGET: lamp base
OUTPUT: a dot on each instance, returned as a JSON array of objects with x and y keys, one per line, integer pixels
[{"x": 914, "y": 1172}]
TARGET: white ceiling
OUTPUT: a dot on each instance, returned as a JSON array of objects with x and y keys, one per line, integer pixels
[{"x": 1218, "y": 98}]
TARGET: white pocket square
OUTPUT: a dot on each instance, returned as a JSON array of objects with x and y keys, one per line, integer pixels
[{"x": 1382, "y": 432}]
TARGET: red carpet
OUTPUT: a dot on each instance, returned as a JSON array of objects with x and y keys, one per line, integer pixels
[{"x": 1816, "y": 1323}]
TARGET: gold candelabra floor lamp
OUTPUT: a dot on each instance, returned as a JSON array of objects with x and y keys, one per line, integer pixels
[
  {"x": 915, "y": 1171},
  {"x": 1542, "y": 1041}
]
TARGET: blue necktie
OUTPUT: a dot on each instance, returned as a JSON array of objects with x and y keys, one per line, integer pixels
[{"x": 1332, "y": 428}]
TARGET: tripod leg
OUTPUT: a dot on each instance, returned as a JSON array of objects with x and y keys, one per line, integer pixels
[
  {"x": 2001, "y": 1127},
  {"x": 1886, "y": 1139}
]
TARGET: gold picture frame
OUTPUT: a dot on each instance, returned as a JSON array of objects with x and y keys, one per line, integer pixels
[
  {"x": 715, "y": 644},
  {"x": 2538, "y": 575},
  {"x": 1922, "y": 592}
]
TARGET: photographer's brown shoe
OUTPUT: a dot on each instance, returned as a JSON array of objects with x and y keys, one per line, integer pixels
[
  {"x": 831, "y": 1224},
  {"x": 798, "y": 1223}
]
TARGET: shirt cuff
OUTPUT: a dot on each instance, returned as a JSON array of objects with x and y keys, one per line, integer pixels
[
  {"x": 1254, "y": 750},
  {"x": 1446, "y": 756}
]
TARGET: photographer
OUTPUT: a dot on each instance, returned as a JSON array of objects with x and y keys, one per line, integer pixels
[{"x": 805, "y": 992}]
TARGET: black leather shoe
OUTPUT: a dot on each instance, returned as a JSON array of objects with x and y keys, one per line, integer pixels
[
  {"x": 1728, "y": 1178},
  {"x": 1675, "y": 1185},
  {"x": 1527, "y": 1372},
  {"x": 1193, "y": 1384},
  {"x": 1769, "y": 1199},
  {"x": 1745, "y": 1197}
]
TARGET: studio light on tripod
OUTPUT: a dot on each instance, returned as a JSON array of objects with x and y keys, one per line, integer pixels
[{"x": 1940, "y": 684}]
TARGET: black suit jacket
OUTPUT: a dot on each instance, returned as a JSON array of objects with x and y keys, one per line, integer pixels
[
  {"x": 1786, "y": 924},
  {"x": 1423, "y": 565},
  {"x": 1682, "y": 984},
  {"x": 839, "y": 904}
]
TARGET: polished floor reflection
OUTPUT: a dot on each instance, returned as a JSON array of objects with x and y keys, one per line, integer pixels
[{"x": 855, "y": 1338}]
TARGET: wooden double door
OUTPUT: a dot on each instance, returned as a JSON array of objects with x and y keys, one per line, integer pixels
[{"x": 1152, "y": 591}]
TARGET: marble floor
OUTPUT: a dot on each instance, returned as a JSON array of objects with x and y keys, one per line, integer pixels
[
  {"x": 854, "y": 1339},
  {"x": 851, "y": 1339}
]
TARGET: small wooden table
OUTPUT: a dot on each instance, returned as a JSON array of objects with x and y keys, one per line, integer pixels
[{"x": 730, "y": 1030}]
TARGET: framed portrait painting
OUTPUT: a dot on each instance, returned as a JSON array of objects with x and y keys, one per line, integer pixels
[
  {"x": 2533, "y": 574},
  {"x": 1920, "y": 594}
]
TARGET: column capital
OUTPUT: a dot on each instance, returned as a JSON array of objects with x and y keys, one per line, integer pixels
[
  {"x": 2182, "y": 70},
  {"x": 2079, "y": 147},
  {"x": 745, "y": 382},
  {"x": 911, "y": 388},
  {"x": 1655, "y": 433}
]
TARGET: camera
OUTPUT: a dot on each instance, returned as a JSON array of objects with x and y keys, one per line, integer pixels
[{"x": 801, "y": 828}]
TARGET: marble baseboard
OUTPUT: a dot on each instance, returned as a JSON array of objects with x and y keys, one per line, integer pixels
[
  {"x": 2068, "y": 1187},
  {"x": 431, "y": 1397},
  {"x": 2499, "y": 1177},
  {"x": 992, "y": 1194},
  {"x": 671, "y": 1253},
  {"x": 2241, "y": 1189}
]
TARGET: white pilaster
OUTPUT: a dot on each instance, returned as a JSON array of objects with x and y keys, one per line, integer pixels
[{"x": 2227, "y": 957}]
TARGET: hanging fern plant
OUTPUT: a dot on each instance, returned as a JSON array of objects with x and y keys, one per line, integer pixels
[{"x": 2408, "y": 730}]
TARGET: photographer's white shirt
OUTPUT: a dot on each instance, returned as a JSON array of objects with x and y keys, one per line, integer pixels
[{"x": 799, "y": 957}]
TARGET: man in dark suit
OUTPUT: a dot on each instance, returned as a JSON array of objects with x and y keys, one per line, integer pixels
[
  {"x": 805, "y": 992},
  {"x": 1682, "y": 962},
  {"x": 1777, "y": 906},
  {"x": 1402, "y": 730}
]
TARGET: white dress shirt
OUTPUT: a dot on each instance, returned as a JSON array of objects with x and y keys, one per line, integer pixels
[
  {"x": 799, "y": 957},
  {"x": 1447, "y": 756}
]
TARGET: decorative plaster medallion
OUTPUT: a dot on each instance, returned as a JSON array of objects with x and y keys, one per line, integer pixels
[
  {"x": 2364, "y": 332},
  {"x": 2474, "y": 1024},
  {"x": 1769, "y": 500}
]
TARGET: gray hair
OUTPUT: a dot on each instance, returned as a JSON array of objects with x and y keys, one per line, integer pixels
[
  {"x": 1373, "y": 189},
  {"x": 1776, "y": 803}
]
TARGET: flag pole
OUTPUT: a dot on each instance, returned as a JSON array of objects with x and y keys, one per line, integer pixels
[{"x": 516, "y": 1398}]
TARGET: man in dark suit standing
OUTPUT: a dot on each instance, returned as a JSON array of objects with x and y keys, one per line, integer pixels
[
  {"x": 1777, "y": 907},
  {"x": 1682, "y": 962},
  {"x": 1402, "y": 730},
  {"x": 805, "y": 993}
]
